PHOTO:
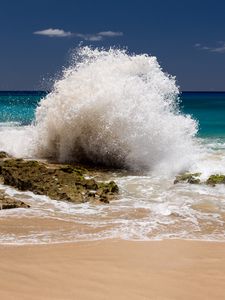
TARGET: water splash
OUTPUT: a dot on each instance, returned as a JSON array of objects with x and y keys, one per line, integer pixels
[{"x": 115, "y": 109}]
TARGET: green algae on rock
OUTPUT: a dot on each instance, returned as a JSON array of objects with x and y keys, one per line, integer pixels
[
  {"x": 193, "y": 179},
  {"x": 59, "y": 182},
  {"x": 188, "y": 177},
  {"x": 216, "y": 179}
]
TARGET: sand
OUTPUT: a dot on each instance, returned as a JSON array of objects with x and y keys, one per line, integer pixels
[{"x": 112, "y": 269}]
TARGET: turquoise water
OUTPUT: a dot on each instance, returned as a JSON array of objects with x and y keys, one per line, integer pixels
[
  {"x": 206, "y": 107},
  {"x": 209, "y": 109},
  {"x": 18, "y": 107}
]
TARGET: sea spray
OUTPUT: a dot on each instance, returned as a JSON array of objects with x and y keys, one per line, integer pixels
[{"x": 114, "y": 109}]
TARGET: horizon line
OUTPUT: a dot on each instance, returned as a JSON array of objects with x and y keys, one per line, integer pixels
[{"x": 46, "y": 91}]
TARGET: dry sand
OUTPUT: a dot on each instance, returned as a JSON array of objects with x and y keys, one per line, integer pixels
[{"x": 162, "y": 270}]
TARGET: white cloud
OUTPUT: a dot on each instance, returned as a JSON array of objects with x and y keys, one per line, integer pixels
[
  {"x": 219, "y": 49},
  {"x": 110, "y": 33},
  {"x": 89, "y": 37},
  {"x": 53, "y": 32},
  {"x": 95, "y": 37}
]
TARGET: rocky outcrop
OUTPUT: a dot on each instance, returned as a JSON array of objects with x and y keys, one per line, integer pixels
[
  {"x": 188, "y": 177},
  {"x": 216, "y": 179},
  {"x": 3, "y": 154},
  {"x": 7, "y": 202},
  {"x": 193, "y": 178},
  {"x": 60, "y": 182}
]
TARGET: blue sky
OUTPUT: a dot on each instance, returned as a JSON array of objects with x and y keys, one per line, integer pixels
[{"x": 37, "y": 37}]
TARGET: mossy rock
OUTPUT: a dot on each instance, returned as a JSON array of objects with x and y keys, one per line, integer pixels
[
  {"x": 56, "y": 181},
  {"x": 71, "y": 169},
  {"x": 191, "y": 178},
  {"x": 216, "y": 179},
  {"x": 110, "y": 187}
]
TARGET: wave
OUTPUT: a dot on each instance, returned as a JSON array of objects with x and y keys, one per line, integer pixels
[
  {"x": 114, "y": 109},
  {"x": 9, "y": 124}
]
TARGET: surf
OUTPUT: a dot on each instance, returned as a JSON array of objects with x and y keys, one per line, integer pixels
[
  {"x": 114, "y": 109},
  {"x": 110, "y": 108}
]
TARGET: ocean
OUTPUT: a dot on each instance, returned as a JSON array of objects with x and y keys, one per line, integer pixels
[
  {"x": 208, "y": 108},
  {"x": 18, "y": 108},
  {"x": 123, "y": 112}
]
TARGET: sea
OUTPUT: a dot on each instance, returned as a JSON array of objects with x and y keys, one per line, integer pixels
[{"x": 123, "y": 112}]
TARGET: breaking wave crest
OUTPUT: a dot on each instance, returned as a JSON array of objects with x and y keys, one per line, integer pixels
[{"x": 114, "y": 109}]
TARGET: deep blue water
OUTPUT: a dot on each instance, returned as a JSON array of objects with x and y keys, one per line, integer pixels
[{"x": 206, "y": 107}]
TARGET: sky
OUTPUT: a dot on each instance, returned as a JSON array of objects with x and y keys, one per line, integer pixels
[{"x": 38, "y": 36}]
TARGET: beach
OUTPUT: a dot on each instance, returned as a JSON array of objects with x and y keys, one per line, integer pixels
[
  {"x": 113, "y": 269},
  {"x": 117, "y": 183},
  {"x": 112, "y": 150}
]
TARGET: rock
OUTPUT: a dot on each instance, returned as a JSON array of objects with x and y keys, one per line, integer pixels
[
  {"x": 60, "y": 182},
  {"x": 216, "y": 179},
  {"x": 3, "y": 154},
  {"x": 71, "y": 169},
  {"x": 7, "y": 202},
  {"x": 194, "y": 180},
  {"x": 188, "y": 177}
]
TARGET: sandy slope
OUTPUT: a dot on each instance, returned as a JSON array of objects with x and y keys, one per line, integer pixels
[{"x": 114, "y": 270}]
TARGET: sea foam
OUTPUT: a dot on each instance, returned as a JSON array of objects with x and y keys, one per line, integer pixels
[{"x": 115, "y": 109}]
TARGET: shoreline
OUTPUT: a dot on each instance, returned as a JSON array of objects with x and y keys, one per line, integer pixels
[
  {"x": 105, "y": 240},
  {"x": 114, "y": 269}
]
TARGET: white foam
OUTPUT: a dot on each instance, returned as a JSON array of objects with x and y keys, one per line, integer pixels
[
  {"x": 18, "y": 140},
  {"x": 9, "y": 124},
  {"x": 148, "y": 208},
  {"x": 111, "y": 108}
]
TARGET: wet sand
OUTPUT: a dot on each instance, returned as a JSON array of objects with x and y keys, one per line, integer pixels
[{"x": 111, "y": 269}]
